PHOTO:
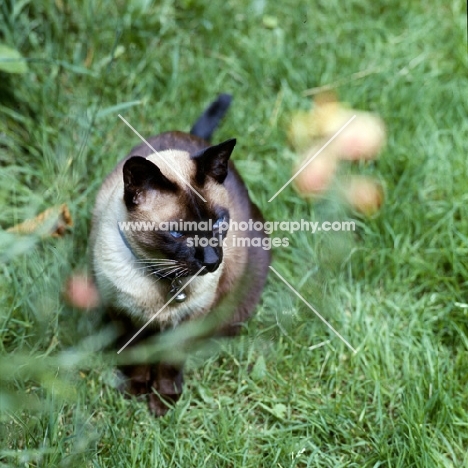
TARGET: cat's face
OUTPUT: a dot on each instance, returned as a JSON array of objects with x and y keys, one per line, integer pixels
[{"x": 173, "y": 231}]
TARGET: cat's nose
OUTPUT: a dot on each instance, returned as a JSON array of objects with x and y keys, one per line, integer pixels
[{"x": 210, "y": 259}]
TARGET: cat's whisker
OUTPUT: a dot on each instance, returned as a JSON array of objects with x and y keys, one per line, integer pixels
[
  {"x": 165, "y": 271},
  {"x": 155, "y": 275},
  {"x": 170, "y": 272},
  {"x": 156, "y": 261},
  {"x": 153, "y": 267},
  {"x": 183, "y": 272},
  {"x": 156, "y": 264},
  {"x": 164, "y": 264}
]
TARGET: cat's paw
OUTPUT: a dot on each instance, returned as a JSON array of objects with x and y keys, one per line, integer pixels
[
  {"x": 159, "y": 406},
  {"x": 166, "y": 388}
]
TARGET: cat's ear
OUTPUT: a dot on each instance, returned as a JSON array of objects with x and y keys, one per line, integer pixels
[
  {"x": 141, "y": 175},
  {"x": 213, "y": 161}
]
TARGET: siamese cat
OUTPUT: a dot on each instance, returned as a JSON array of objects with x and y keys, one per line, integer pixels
[{"x": 164, "y": 275}]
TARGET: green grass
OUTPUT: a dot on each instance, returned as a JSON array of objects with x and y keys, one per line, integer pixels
[{"x": 397, "y": 290}]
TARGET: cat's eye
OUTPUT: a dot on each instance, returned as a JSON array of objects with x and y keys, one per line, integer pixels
[
  {"x": 218, "y": 222},
  {"x": 175, "y": 234}
]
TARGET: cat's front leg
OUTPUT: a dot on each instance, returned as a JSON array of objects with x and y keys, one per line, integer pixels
[
  {"x": 165, "y": 387},
  {"x": 134, "y": 379},
  {"x": 161, "y": 384}
]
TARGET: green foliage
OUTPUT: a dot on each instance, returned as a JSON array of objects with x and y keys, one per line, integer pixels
[
  {"x": 11, "y": 60},
  {"x": 289, "y": 392}
]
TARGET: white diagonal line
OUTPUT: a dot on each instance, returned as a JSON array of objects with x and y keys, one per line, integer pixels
[
  {"x": 161, "y": 156},
  {"x": 313, "y": 310},
  {"x": 159, "y": 311},
  {"x": 312, "y": 158}
]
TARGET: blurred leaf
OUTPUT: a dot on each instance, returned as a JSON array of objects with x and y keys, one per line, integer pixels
[
  {"x": 11, "y": 60},
  {"x": 206, "y": 394},
  {"x": 139, "y": 6},
  {"x": 279, "y": 410},
  {"x": 12, "y": 400},
  {"x": 270, "y": 22},
  {"x": 259, "y": 369},
  {"x": 117, "y": 108},
  {"x": 12, "y": 245},
  {"x": 119, "y": 50}
]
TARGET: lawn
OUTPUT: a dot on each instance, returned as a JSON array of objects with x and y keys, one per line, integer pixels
[{"x": 288, "y": 392}]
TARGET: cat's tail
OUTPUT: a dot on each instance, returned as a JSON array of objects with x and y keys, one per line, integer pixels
[{"x": 211, "y": 117}]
